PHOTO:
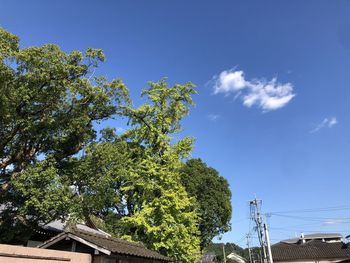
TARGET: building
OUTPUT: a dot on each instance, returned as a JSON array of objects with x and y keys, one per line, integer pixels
[
  {"x": 236, "y": 258},
  {"x": 57, "y": 240},
  {"x": 321, "y": 248},
  {"x": 101, "y": 246}
]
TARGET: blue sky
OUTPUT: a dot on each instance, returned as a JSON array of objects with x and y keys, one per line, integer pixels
[{"x": 273, "y": 79}]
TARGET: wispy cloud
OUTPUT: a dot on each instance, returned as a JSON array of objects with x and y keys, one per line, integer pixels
[
  {"x": 213, "y": 117},
  {"x": 326, "y": 123},
  {"x": 267, "y": 95}
]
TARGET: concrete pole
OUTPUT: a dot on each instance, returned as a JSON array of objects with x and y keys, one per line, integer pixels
[
  {"x": 250, "y": 252},
  {"x": 223, "y": 251},
  {"x": 268, "y": 242}
]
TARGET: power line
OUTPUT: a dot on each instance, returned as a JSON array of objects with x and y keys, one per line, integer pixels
[
  {"x": 315, "y": 219},
  {"x": 270, "y": 238},
  {"x": 239, "y": 240},
  {"x": 310, "y": 210},
  {"x": 240, "y": 220},
  {"x": 294, "y": 226},
  {"x": 301, "y": 229}
]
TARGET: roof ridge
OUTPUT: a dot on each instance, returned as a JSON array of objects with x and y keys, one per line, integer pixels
[
  {"x": 130, "y": 243},
  {"x": 115, "y": 245},
  {"x": 52, "y": 238},
  {"x": 137, "y": 246}
]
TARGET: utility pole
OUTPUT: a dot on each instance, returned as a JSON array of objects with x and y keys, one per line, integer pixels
[
  {"x": 255, "y": 215},
  {"x": 249, "y": 251},
  {"x": 262, "y": 229},
  {"x": 268, "y": 242},
  {"x": 267, "y": 236},
  {"x": 223, "y": 252}
]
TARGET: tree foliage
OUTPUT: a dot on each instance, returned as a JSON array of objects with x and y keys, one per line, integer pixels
[
  {"x": 213, "y": 196},
  {"x": 54, "y": 166},
  {"x": 167, "y": 219},
  {"x": 49, "y": 102}
]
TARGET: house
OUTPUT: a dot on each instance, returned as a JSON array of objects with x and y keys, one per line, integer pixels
[
  {"x": 321, "y": 248},
  {"x": 237, "y": 258},
  {"x": 101, "y": 246}
]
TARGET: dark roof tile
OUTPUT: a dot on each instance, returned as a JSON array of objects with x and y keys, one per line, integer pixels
[
  {"x": 115, "y": 245},
  {"x": 314, "y": 249}
]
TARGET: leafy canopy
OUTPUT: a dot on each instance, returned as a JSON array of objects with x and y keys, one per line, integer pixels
[
  {"x": 213, "y": 196},
  {"x": 167, "y": 218},
  {"x": 53, "y": 166},
  {"x": 49, "y": 101}
]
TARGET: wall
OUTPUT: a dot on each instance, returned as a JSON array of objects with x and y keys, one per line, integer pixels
[
  {"x": 17, "y": 254},
  {"x": 123, "y": 259},
  {"x": 312, "y": 261}
]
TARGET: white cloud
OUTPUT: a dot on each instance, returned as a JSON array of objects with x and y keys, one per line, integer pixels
[
  {"x": 213, "y": 117},
  {"x": 326, "y": 123},
  {"x": 267, "y": 95},
  {"x": 333, "y": 121},
  {"x": 229, "y": 81}
]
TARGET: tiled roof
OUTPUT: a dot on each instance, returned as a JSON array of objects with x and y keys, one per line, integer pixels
[
  {"x": 314, "y": 249},
  {"x": 115, "y": 245},
  {"x": 320, "y": 236}
]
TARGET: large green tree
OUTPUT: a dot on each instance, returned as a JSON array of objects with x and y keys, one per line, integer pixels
[
  {"x": 131, "y": 184},
  {"x": 49, "y": 101},
  {"x": 213, "y": 196},
  {"x": 166, "y": 219},
  {"x": 53, "y": 166}
]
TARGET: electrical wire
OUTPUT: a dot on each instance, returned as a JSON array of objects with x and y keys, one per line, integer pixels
[
  {"x": 315, "y": 219},
  {"x": 310, "y": 210},
  {"x": 240, "y": 220}
]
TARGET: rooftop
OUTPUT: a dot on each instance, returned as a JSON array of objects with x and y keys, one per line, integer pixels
[
  {"x": 310, "y": 250},
  {"x": 319, "y": 236},
  {"x": 104, "y": 242}
]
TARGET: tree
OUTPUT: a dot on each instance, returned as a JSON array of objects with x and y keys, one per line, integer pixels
[
  {"x": 49, "y": 101},
  {"x": 88, "y": 187},
  {"x": 53, "y": 166},
  {"x": 213, "y": 196},
  {"x": 129, "y": 184},
  {"x": 166, "y": 219}
]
